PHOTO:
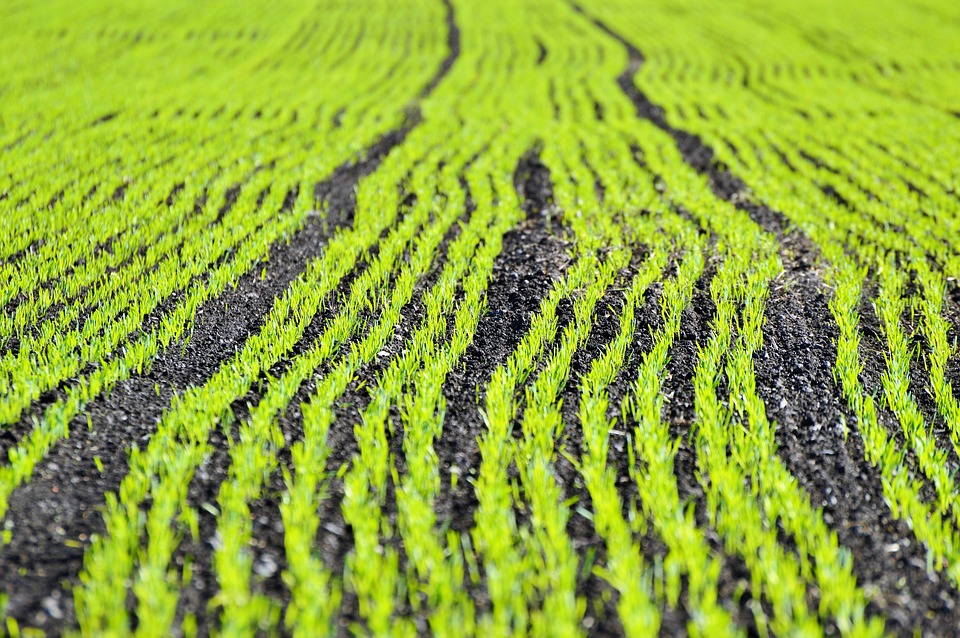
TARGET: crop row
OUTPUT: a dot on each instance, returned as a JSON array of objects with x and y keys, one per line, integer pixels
[
  {"x": 197, "y": 146},
  {"x": 88, "y": 322},
  {"x": 855, "y": 161}
]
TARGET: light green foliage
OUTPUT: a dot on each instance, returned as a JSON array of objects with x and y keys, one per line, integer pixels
[{"x": 153, "y": 154}]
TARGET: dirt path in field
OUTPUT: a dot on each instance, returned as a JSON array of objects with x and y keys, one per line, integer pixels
[
  {"x": 532, "y": 258},
  {"x": 67, "y": 485},
  {"x": 54, "y": 517},
  {"x": 795, "y": 381}
]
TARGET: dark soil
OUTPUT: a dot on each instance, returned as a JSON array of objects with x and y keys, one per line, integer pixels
[
  {"x": 337, "y": 196},
  {"x": 127, "y": 416},
  {"x": 519, "y": 277},
  {"x": 335, "y": 538},
  {"x": 531, "y": 260},
  {"x": 794, "y": 379},
  {"x": 734, "y": 585},
  {"x": 602, "y": 620},
  {"x": 54, "y": 517}
]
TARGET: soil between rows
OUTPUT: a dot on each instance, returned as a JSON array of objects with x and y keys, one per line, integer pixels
[
  {"x": 793, "y": 379},
  {"x": 795, "y": 382},
  {"x": 54, "y": 516}
]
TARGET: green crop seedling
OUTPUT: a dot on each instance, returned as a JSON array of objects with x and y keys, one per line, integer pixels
[{"x": 516, "y": 317}]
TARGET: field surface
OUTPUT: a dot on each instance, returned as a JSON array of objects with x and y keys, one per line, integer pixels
[{"x": 463, "y": 318}]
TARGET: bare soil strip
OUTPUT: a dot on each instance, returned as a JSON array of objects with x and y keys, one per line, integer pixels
[
  {"x": 338, "y": 196},
  {"x": 532, "y": 258},
  {"x": 606, "y": 324},
  {"x": 54, "y": 516},
  {"x": 734, "y": 583},
  {"x": 795, "y": 381},
  {"x": 67, "y": 485}
]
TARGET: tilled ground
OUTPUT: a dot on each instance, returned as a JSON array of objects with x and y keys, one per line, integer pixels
[
  {"x": 56, "y": 514},
  {"x": 54, "y": 517}
]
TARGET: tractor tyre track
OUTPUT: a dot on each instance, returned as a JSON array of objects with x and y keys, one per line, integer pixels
[
  {"x": 800, "y": 349},
  {"x": 54, "y": 516}
]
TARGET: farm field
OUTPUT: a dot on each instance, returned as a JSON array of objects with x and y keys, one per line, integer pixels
[{"x": 456, "y": 318}]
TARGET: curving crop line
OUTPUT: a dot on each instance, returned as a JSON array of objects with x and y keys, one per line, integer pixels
[
  {"x": 460, "y": 318},
  {"x": 290, "y": 257}
]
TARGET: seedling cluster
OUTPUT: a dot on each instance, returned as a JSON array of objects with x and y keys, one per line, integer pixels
[{"x": 617, "y": 468}]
